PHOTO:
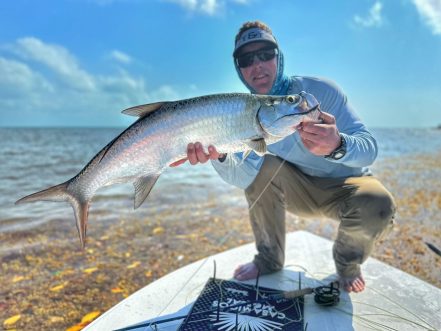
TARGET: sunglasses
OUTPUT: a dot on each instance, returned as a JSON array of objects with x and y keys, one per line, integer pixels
[{"x": 263, "y": 54}]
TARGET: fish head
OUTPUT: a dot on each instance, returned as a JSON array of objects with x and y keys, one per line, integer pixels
[{"x": 280, "y": 116}]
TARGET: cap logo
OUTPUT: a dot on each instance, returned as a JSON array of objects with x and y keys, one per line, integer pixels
[{"x": 252, "y": 35}]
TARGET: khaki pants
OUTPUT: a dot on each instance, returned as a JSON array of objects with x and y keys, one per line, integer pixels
[{"x": 363, "y": 206}]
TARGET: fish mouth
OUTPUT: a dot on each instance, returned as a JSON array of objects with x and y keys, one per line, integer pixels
[{"x": 300, "y": 116}]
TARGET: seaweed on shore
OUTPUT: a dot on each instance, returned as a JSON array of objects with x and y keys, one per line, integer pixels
[{"x": 48, "y": 282}]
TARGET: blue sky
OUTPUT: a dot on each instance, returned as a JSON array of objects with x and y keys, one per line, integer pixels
[{"x": 80, "y": 62}]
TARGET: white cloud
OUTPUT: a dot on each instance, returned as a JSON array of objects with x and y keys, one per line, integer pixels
[
  {"x": 430, "y": 11},
  {"x": 57, "y": 59},
  {"x": 17, "y": 77},
  {"x": 187, "y": 4},
  {"x": 373, "y": 18},
  {"x": 207, "y": 7},
  {"x": 38, "y": 78},
  {"x": 165, "y": 93},
  {"x": 20, "y": 87},
  {"x": 120, "y": 57}
]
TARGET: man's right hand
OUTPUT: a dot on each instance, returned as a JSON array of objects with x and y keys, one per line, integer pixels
[{"x": 196, "y": 154}]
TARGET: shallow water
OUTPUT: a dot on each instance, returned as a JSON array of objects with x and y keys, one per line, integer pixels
[{"x": 36, "y": 158}]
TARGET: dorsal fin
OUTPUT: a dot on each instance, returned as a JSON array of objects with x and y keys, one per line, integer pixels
[{"x": 142, "y": 110}]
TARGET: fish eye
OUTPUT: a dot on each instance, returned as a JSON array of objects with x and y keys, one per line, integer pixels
[{"x": 290, "y": 99}]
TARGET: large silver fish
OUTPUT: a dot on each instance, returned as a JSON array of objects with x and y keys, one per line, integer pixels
[{"x": 230, "y": 122}]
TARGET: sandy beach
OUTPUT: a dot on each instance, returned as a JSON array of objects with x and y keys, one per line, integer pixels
[{"x": 49, "y": 283}]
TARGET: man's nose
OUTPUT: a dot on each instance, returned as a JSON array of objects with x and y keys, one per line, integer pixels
[{"x": 256, "y": 60}]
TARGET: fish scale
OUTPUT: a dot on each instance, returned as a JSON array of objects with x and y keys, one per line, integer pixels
[{"x": 232, "y": 123}]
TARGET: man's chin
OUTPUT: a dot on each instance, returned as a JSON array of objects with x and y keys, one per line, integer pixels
[
  {"x": 261, "y": 88},
  {"x": 264, "y": 90}
]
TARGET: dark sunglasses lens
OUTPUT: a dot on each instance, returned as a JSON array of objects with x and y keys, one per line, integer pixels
[
  {"x": 245, "y": 60},
  {"x": 263, "y": 55},
  {"x": 266, "y": 55}
]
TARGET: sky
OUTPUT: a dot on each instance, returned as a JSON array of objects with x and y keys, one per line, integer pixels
[{"x": 80, "y": 62}]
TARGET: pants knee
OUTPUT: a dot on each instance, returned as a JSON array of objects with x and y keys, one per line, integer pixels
[{"x": 378, "y": 211}]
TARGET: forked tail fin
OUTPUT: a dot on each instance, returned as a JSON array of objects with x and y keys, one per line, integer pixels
[{"x": 60, "y": 193}]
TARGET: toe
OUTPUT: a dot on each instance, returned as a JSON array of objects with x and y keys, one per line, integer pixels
[
  {"x": 348, "y": 286},
  {"x": 246, "y": 271},
  {"x": 353, "y": 284},
  {"x": 358, "y": 285},
  {"x": 238, "y": 270},
  {"x": 238, "y": 275}
]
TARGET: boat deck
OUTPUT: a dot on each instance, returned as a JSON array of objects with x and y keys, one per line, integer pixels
[{"x": 392, "y": 300}]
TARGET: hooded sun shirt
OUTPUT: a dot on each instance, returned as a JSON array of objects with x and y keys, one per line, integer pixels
[{"x": 361, "y": 147}]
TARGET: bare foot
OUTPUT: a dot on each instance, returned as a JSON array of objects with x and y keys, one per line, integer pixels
[
  {"x": 353, "y": 284},
  {"x": 246, "y": 271}
]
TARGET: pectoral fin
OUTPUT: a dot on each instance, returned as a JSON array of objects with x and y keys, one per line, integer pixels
[
  {"x": 257, "y": 145},
  {"x": 143, "y": 186}
]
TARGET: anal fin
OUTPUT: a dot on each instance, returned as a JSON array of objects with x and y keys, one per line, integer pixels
[{"x": 143, "y": 186}]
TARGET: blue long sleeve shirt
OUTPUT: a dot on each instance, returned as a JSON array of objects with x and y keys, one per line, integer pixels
[{"x": 361, "y": 147}]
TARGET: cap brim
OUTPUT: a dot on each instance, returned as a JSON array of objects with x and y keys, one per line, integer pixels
[
  {"x": 251, "y": 36},
  {"x": 238, "y": 50}
]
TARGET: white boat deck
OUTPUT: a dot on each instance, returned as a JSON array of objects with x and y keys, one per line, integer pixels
[{"x": 393, "y": 300}]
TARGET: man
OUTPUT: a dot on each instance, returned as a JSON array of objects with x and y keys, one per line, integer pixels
[{"x": 320, "y": 170}]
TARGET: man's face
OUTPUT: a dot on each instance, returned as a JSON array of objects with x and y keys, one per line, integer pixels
[{"x": 260, "y": 75}]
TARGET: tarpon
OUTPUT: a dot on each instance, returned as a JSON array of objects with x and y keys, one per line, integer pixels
[{"x": 231, "y": 122}]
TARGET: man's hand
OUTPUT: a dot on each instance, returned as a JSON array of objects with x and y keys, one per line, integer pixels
[
  {"x": 196, "y": 154},
  {"x": 320, "y": 138}
]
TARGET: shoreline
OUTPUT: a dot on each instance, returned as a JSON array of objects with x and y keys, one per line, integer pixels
[{"x": 51, "y": 283}]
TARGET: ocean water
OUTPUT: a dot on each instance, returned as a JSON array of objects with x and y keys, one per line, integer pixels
[{"x": 33, "y": 159}]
